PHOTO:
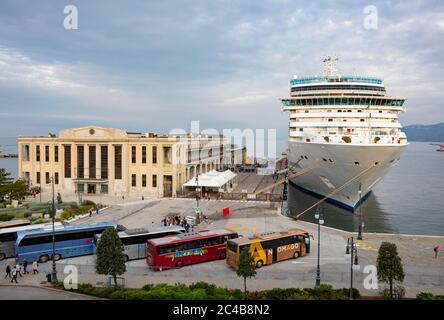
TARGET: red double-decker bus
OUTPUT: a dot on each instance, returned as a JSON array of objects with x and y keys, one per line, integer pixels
[{"x": 188, "y": 248}]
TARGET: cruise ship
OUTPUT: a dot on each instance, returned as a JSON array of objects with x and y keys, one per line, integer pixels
[{"x": 344, "y": 134}]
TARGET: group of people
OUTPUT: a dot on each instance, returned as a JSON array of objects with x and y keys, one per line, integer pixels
[
  {"x": 176, "y": 221},
  {"x": 91, "y": 211},
  {"x": 16, "y": 270}
]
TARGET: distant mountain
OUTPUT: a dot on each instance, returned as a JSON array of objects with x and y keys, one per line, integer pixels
[{"x": 428, "y": 133}]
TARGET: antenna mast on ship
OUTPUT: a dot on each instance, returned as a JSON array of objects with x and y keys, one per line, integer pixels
[{"x": 330, "y": 66}]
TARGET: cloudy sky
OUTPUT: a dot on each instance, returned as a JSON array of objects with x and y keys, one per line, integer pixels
[{"x": 157, "y": 65}]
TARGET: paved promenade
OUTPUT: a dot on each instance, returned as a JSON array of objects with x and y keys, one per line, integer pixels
[{"x": 424, "y": 273}]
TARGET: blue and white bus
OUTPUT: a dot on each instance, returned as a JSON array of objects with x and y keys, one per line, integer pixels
[
  {"x": 70, "y": 241},
  {"x": 8, "y": 237}
]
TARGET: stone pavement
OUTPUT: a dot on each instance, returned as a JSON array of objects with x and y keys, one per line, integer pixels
[{"x": 423, "y": 272}]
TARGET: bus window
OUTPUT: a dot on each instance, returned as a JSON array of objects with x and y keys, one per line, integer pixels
[{"x": 232, "y": 246}]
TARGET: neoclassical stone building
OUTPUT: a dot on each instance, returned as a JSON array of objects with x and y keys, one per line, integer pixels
[{"x": 95, "y": 160}]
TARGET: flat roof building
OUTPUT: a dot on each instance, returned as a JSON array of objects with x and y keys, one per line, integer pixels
[{"x": 94, "y": 160}]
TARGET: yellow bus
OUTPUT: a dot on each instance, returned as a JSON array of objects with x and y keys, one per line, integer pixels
[{"x": 267, "y": 248}]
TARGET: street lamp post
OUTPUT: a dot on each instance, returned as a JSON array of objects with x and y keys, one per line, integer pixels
[
  {"x": 352, "y": 250},
  {"x": 320, "y": 217},
  {"x": 54, "y": 268},
  {"x": 361, "y": 223},
  {"x": 197, "y": 191},
  {"x": 197, "y": 199}
]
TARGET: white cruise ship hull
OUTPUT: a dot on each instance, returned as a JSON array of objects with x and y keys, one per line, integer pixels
[{"x": 347, "y": 162}]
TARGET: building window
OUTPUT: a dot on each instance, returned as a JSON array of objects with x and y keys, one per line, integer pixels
[
  {"x": 143, "y": 154},
  {"x": 104, "y": 162},
  {"x": 46, "y": 153},
  {"x": 104, "y": 188},
  {"x": 154, "y": 154},
  {"x": 67, "y": 161},
  {"x": 92, "y": 162},
  {"x": 133, "y": 154},
  {"x": 154, "y": 181},
  {"x": 37, "y": 153},
  {"x": 144, "y": 180},
  {"x": 167, "y": 155},
  {"x": 38, "y": 177},
  {"x": 47, "y": 178},
  {"x": 56, "y": 178},
  {"x": 118, "y": 162},
  {"x": 362, "y": 120},
  {"x": 80, "y": 162},
  {"x": 25, "y": 153},
  {"x": 56, "y": 153},
  {"x": 80, "y": 187},
  {"x": 133, "y": 180}
]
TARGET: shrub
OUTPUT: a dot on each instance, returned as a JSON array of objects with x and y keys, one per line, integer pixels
[
  {"x": 39, "y": 221},
  {"x": 398, "y": 293},
  {"x": 73, "y": 205},
  {"x": 429, "y": 296},
  {"x": 6, "y": 216},
  {"x": 27, "y": 214},
  {"x": 281, "y": 294},
  {"x": 205, "y": 291},
  {"x": 36, "y": 207},
  {"x": 88, "y": 203}
]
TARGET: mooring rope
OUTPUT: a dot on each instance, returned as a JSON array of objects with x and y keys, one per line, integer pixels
[{"x": 335, "y": 191}]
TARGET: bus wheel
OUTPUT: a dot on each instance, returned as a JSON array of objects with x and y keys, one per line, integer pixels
[
  {"x": 296, "y": 255},
  {"x": 44, "y": 258},
  {"x": 2, "y": 256},
  {"x": 57, "y": 257},
  {"x": 179, "y": 264},
  {"x": 223, "y": 255},
  {"x": 259, "y": 264}
]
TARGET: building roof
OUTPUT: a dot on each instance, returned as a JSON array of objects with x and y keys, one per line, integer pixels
[{"x": 212, "y": 178}]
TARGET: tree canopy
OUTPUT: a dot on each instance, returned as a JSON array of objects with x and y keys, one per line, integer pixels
[
  {"x": 245, "y": 266},
  {"x": 389, "y": 265},
  {"x": 12, "y": 190},
  {"x": 110, "y": 259}
]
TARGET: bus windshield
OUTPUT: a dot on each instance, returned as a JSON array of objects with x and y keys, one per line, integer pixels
[{"x": 232, "y": 246}]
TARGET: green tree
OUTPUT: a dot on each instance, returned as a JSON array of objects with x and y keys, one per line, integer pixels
[
  {"x": 389, "y": 265},
  {"x": 17, "y": 190},
  {"x": 110, "y": 259},
  {"x": 245, "y": 267},
  {"x": 5, "y": 180}
]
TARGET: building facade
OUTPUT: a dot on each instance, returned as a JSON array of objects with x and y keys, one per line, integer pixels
[{"x": 94, "y": 160}]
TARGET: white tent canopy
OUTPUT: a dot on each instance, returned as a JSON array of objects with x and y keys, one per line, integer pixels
[{"x": 212, "y": 179}]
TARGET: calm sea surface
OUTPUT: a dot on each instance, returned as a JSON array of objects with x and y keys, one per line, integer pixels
[{"x": 410, "y": 199}]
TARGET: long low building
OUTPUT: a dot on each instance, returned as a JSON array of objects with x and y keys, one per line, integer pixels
[{"x": 94, "y": 160}]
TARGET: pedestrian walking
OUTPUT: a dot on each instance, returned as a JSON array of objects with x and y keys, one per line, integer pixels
[
  {"x": 35, "y": 267},
  {"x": 436, "y": 249},
  {"x": 97, "y": 210},
  {"x": 14, "y": 275},
  {"x": 18, "y": 269},
  {"x": 25, "y": 266},
  {"x": 90, "y": 212},
  {"x": 8, "y": 271}
]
